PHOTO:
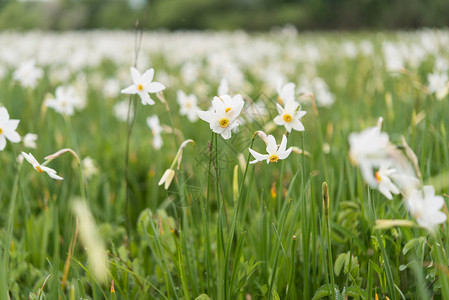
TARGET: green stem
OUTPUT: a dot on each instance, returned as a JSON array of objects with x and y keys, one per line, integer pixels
[{"x": 12, "y": 204}]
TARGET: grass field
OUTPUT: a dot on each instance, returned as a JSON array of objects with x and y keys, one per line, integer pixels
[{"x": 316, "y": 222}]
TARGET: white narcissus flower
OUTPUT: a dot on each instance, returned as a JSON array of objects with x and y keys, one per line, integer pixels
[
  {"x": 188, "y": 104},
  {"x": 121, "y": 111},
  {"x": 111, "y": 88},
  {"x": 156, "y": 129},
  {"x": 28, "y": 74},
  {"x": 289, "y": 116},
  {"x": 285, "y": 92},
  {"x": 425, "y": 206},
  {"x": 89, "y": 167},
  {"x": 7, "y": 129},
  {"x": 143, "y": 85},
  {"x": 29, "y": 140},
  {"x": 231, "y": 103},
  {"x": 384, "y": 183},
  {"x": 369, "y": 149},
  {"x": 167, "y": 178},
  {"x": 223, "y": 88},
  {"x": 275, "y": 153},
  {"x": 222, "y": 118},
  {"x": 438, "y": 84},
  {"x": 65, "y": 101},
  {"x": 41, "y": 168}
]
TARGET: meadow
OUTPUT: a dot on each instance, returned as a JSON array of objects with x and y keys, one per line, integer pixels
[{"x": 117, "y": 184}]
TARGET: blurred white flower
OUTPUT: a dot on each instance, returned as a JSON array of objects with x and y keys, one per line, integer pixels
[
  {"x": 65, "y": 101},
  {"x": 441, "y": 64},
  {"x": 369, "y": 149},
  {"x": 275, "y": 153},
  {"x": 111, "y": 88},
  {"x": 41, "y": 168},
  {"x": 167, "y": 178},
  {"x": 222, "y": 118},
  {"x": 7, "y": 128},
  {"x": 255, "y": 111},
  {"x": 29, "y": 140},
  {"x": 223, "y": 88},
  {"x": 322, "y": 94},
  {"x": 425, "y": 206},
  {"x": 438, "y": 84},
  {"x": 143, "y": 85},
  {"x": 121, "y": 111},
  {"x": 384, "y": 183},
  {"x": 91, "y": 240},
  {"x": 188, "y": 104},
  {"x": 156, "y": 130},
  {"x": 89, "y": 167},
  {"x": 289, "y": 116},
  {"x": 28, "y": 74},
  {"x": 286, "y": 92}
]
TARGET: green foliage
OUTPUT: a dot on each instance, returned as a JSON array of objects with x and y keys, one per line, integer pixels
[
  {"x": 225, "y": 15},
  {"x": 224, "y": 229}
]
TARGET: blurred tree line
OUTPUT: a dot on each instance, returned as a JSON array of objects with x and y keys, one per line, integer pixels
[{"x": 223, "y": 14}]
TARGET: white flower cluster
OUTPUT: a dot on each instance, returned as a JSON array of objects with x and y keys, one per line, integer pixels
[{"x": 387, "y": 169}]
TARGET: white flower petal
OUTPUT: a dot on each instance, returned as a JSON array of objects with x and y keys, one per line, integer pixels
[
  {"x": 2, "y": 142},
  {"x": 132, "y": 89},
  {"x": 285, "y": 154},
  {"x": 271, "y": 145},
  {"x": 148, "y": 76},
  {"x": 155, "y": 87},
  {"x": 135, "y": 75}
]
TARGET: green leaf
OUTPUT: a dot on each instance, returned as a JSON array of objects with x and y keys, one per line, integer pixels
[
  {"x": 339, "y": 263},
  {"x": 326, "y": 290},
  {"x": 355, "y": 292},
  {"x": 202, "y": 297},
  {"x": 412, "y": 244}
]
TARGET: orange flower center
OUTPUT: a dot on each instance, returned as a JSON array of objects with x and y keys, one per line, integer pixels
[
  {"x": 287, "y": 118},
  {"x": 224, "y": 123},
  {"x": 1, "y": 131},
  {"x": 274, "y": 158},
  {"x": 140, "y": 87},
  {"x": 39, "y": 169},
  {"x": 281, "y": 102},
  {"x": 227, "y": 109},
  {"x": 378, "y": 177}
]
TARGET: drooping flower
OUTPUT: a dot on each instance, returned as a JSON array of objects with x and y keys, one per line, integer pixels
[
  {"x": 425, "y": 206},
  {"x": 156, "y": 130},
  {"x": 169, "y": 174},
  {"x": 275, "y": 153},
  {"x": 188, "y": 104},
  {"x": 289, "y": 116},
  {"x": 167, "y": 178},
  {"x": 29, "y": 140},
  {"x": 143, "y": 85},
  {"x": 41, "y": 168},
  {"x": 7, "y": 128},
  {"x": 222, "y": 118}
]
